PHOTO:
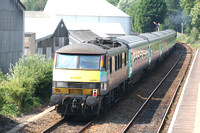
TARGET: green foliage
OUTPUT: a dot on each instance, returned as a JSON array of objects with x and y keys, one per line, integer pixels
[
  {"x": 8, "y": 107},
  {"x": 188, "y": 4},
  {"x": 194, "y": 34},
  {"x": 187, "y": 20},
  {"x": 193, "y": 25},
  {"x": 28, "y": 84},
  {"x": 30, "y": 77},
  {"x": 34, "y": 5},
  {"x": 174, "y": 15},
  {"x": 147, "y": 12},
  {"x": 2, "y": 77},
  {"x": 132, "y": 12},
  {"x": 113, "y": 2},
  {"x": 195, "y": 14},
  {"x": 124, "y": 4},
  {"x": 189, "y": 39}
]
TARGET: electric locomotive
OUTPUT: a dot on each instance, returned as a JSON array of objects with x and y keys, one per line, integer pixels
[{"x": 88, "y": 77}]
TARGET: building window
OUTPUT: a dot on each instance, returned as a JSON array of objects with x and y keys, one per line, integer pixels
[
  {"x": 40, "y": 51},
  {"x": 48, "y": 52},
  {"x": 61, "y": 41}
]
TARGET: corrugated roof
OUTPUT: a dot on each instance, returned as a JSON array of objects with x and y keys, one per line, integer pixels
[
  {"x": 101, "y": 29},
  {"x": 83, "y": 35},
  {"x": 83, "y": 8},
  {"x": 36, "y": 14},
  {"x": 21, "y": 5}
]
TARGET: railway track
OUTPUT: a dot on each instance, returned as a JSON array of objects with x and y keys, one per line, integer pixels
[
  {"x": 151, "y": 115},
  {"x": 70, "y": 124},
  {"x": 54, "y": 126}
]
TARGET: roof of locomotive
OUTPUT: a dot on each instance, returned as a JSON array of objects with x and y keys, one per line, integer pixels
[
  {"x": 98, "y": 46},
  {"x": 81, "y": 48}
]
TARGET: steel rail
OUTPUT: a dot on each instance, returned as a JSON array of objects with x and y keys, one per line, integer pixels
[
  {"x": 140, "y": 109},
  {"x": 52, "y": 127},
  {"x": 87, "y": 125},
  {"x": 174, "y": 95}
]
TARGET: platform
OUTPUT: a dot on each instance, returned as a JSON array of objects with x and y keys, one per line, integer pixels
[{"x": 186, "y": 118}]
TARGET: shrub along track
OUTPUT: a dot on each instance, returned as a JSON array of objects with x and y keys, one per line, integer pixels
[{"x": 119, "y": 116}]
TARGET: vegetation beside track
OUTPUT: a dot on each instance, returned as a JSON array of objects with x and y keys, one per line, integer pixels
[
  {"x": 26, "y": 86},
  {"x": 189, "y": 39}
]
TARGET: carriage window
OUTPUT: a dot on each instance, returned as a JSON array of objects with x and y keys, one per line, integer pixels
[
  {"x": 125, "y": 59},
  {"x": 120, "y": 60},
  {"x": 113, "y": 63},
  {"x": 116, "y": 64},
  {"x": 110, "y": 64}
]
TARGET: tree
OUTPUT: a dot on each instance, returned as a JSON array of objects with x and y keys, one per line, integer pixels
[
  {"x": 147, "y": 12},
  {"x": 34, "y": 5},
  {"x": 195, "y": 14},
  {"x": 113, "y": 2},
  {"x": 188, "y": 4},
  {"x": 124, "y": 4},
  {"x": 174, "y": 15},
  {"x": 193, "y": 9},
  {"x": 131, "y": 11}
]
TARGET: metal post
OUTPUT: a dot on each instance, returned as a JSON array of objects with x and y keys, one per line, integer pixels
[{"x": 181, "y": 30}]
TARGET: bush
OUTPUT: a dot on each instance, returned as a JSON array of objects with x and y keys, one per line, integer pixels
[
  {"x": 30, "y": 80},
  {"x": 195, "y": 34},
  {"x": 7, "y": 105},
  {"x": 2, "y": 77}
]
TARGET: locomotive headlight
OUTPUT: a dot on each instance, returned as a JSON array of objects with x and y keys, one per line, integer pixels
[
  {"x": 60, "y": 84},
  {"x": 89, "y": 85},
  {"x": 54, "y": 84},
  {"x": 103, "y": 86},
  {"x": 103, "y": 89}
]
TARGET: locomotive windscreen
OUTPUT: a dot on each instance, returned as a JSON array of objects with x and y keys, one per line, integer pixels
[{"x": 78, "y": 61}]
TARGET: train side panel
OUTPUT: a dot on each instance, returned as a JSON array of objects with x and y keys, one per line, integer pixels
[{"x": 140, "y": 57}]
